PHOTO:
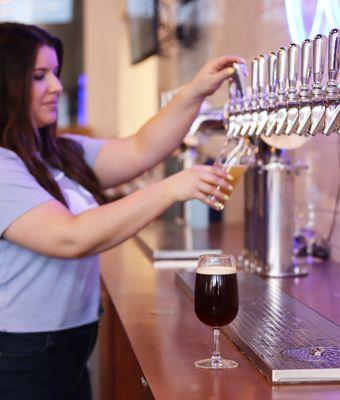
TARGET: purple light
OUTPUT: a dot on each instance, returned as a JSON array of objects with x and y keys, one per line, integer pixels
[{"x": 82, "y": 116}]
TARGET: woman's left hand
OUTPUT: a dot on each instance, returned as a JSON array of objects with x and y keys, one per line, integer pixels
[{"x": 211, "y": 76}]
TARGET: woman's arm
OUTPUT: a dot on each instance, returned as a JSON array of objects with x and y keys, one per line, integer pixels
[
  {"x": 69, "y": 236},
  {"x": 123, "y": 159}
]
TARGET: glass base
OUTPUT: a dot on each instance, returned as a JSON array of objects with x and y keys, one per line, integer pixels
[{"x": 216, "y": 363}]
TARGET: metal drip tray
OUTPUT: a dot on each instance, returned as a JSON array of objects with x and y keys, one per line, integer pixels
[
  {"x": 163, "y": 240},
  {"x": 288, "y": 341},
  {"x": 313, "y": 354}
]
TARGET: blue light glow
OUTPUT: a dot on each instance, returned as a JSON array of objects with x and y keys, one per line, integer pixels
[
  {"x": 82, "y": 116},
  {"x": 327, "y": 17}
]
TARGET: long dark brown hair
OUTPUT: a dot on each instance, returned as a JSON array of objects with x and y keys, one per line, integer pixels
[{"x": 19, "y": 45}]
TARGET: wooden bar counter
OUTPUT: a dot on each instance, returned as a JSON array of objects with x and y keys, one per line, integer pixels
[{"x": 150, "y": 336}]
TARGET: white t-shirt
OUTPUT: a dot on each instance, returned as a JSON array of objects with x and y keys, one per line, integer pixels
[{"x": 40, "y": 293}]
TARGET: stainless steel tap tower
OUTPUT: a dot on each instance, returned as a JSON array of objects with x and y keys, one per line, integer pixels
[
  {"x": 290, "y": 105},
  {"x": 283, "y": 112}
]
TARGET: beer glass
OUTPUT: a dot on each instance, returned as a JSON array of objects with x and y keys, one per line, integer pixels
[
  {"x": 216, "y": 301},
  {"x": 235, "y": 162}
]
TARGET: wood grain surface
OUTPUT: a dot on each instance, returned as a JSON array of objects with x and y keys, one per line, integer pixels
[{"x": 150, "y": 319}]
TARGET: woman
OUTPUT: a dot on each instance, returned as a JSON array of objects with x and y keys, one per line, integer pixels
[{"x": 51, "y": 224}]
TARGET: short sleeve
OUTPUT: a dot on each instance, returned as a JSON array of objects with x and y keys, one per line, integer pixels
[
  {"x": 19, "y": 191},
  {"x": 91, "y": 146}
]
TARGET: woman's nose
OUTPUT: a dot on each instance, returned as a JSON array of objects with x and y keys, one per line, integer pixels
[{"x": 55, "y": 85}]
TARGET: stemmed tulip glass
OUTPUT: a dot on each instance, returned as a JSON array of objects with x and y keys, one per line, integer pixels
[{"x": 216, "y": 301}]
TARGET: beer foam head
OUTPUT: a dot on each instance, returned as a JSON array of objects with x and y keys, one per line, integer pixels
[{"x": 216, "y": 270}]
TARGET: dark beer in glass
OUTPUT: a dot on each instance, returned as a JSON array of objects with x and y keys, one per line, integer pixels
[{"x": 216, "y": 300}]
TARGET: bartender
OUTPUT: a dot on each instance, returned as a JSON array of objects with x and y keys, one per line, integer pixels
[{"x": 53, "y": 217}]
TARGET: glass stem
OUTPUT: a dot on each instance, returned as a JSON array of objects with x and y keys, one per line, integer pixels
[{"x": 216, "y": 353}]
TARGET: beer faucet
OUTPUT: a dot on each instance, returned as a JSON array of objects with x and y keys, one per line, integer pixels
[
  {"x": 289, "y": 106},
  {"x": 239, "y": 77},
  {"x": 281, "y": 119},
  {"x": 229, "y": 110},
  {"x": 263, "y": 112},
  {"x": 293, "y": 99},
  {"x": 238, "y": 113},
  {"x": 209, "y": 119},
  {"x": 332, "y": 96},
  {"x": 254, "y": 96},
  {"x": 272, "y": 96},
  {"x": 305, "y": 111},
  {"x": 246, "y": 116},
  {"x": 318, "y": 109}
]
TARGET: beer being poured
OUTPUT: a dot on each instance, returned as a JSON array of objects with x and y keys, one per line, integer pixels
[
  {"x": 236, "y": 172},
  {"x": 235, "y": 165}
]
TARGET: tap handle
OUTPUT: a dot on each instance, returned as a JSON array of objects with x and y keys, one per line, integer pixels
[
  {"x": 306, "y": 62},
  {"x": 272, "y": 72},
  {"x": 293, "y": 64},
  {"x": 262, "y": 75},
  {"x": 333, "y": 53},
  {"x": 254, "y": 75},
  {"x": 240, "y": 78},
  {"x": 282, "y": 70},
  {"x": 232, "y": 92},
  {"x": 319, "y": 53}
]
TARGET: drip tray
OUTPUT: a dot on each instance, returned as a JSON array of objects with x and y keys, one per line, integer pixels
[
  {"x": 313, "y": 354},
  {"x": 176, "y": 245},
  {"x": 288, "y": 341}
]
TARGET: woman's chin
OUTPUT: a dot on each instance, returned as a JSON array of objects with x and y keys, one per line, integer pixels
[{"x": 43, "y": 123}]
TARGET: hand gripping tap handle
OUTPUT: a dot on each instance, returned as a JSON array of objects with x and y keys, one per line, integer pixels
[
  {"x": 333, "y": 54},
  {"x": 231, "y": 81},
  {"x": 240, "y": 78},
  {"x": 306, "y": 63},
  {"x": 319, "y": 53}
]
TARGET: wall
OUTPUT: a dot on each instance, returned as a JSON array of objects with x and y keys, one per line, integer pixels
[
  {"x": 318, "y": 189},
  {"x": 100, "y": 33},
  {"x": 137, "y": 87},
  {"x": 120, "y": 96}
]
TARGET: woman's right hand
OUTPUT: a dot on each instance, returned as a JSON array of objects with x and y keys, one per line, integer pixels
[
  {"x": 200, "y": 182},
  {"x": 211, "y": 76}
]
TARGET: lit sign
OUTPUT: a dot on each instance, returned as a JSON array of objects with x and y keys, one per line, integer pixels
[
  {"x": 37, "y": 11},
  {"x": 326, "y": 17}
]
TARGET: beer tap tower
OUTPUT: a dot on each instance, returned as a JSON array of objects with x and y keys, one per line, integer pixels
[
  {"x": 286, "y": 118},
  {"x": 283, "y": 112}
]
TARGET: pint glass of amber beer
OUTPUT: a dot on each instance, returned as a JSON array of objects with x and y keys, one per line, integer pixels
[
  {"x": 216, "y": 301},
  {"x": 235, "y": 161}
]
